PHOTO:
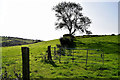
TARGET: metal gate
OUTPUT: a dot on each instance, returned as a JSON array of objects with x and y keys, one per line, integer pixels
[{"x": 87, "y": 56}]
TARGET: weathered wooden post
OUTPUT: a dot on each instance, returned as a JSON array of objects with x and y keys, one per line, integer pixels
[
  {"x": 25, "y": 63},
  {"x": 86, "y": 56},
  {"x": 49, "y": 53}
]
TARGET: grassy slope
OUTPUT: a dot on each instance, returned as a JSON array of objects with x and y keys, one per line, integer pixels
[
  {"x": 40, "y": 69},
  {"x": 13, "y": 41}
]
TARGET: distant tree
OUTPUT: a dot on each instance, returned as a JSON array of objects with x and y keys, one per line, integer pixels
[
  {"x": 70, "y": 17},
  {"x": 112, "y": 34}
]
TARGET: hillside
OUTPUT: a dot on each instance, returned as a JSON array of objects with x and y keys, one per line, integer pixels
[
  {"x": 13, "y": 41},
  {"x": 12, "y": 60}
]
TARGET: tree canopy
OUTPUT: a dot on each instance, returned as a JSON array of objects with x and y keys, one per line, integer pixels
[{"x": 69, "y": 16}]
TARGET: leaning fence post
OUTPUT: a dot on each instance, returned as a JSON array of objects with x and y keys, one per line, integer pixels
[
  {"x": 86, "y": 56},
  {"x": 25, "y": 63},
  {"x": 49, "y": 53}
]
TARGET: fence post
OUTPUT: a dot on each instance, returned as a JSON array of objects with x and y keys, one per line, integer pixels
[
  {"x": 103, "y": 58},
  {"x": 25, "y": 63},
  {"x": 54, "y": 51},
  {"x": 49, "y": 53},
  {"x": 60, "y": 55},
  {"x": 86, "y": 56},
  {"x": 73, "y": 56}
]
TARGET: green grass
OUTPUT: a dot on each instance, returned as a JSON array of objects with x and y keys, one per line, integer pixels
[
  {"x": 39, "y": 68},
  {"x": 13, "y": 41}
]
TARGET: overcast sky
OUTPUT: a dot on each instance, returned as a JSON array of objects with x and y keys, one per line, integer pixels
[{"x": 34, "y": 19}]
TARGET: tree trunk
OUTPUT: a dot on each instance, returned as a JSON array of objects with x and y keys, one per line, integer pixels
[
  {"x": 70, "y": 31},
  {"x": 73, "y": 31}
]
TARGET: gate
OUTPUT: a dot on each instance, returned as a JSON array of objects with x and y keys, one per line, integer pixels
[{"x": 86, "y": 56}]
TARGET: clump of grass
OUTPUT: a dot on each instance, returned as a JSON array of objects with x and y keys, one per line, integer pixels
[
  {"x": 6, "y": 75},
  {"x": 99, "y": 67}
]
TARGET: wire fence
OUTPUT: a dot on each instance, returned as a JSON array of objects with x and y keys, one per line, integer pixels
[
  {"x": 14, "y": 63},
  {"x": 88, "y": 56}
]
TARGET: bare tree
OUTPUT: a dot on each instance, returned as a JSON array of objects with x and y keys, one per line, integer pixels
[{"x": 69, "y": 16}]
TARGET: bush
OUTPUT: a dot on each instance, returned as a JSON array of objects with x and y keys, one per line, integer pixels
[
  {"x": 112, "y": 34},
  {"x": 67, "y": 41}
]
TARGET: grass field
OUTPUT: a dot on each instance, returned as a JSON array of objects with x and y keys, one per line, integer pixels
[
  {"x": 13, "y": 41},
  {"x": 39, "y": 68}
]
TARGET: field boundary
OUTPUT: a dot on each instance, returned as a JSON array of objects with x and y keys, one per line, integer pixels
[{"x": 73, "y": 53}]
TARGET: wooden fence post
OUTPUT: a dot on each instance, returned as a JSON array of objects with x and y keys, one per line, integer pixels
[
  {"x": 49, "y": 53},
  {"x": 25, "y": 63},
  {"x": 86, "y": 56}
]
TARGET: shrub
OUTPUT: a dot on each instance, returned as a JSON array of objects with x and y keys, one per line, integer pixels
[
  {"x": 112, "y": 34},
  {"x": 67, "y": 41}
]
